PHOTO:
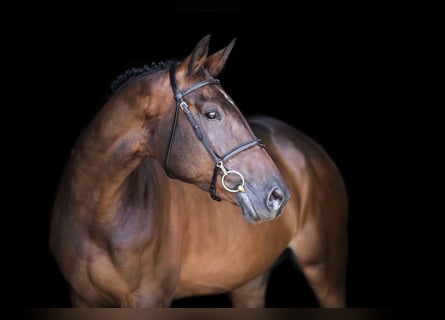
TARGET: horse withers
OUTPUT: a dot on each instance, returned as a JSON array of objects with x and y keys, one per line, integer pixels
[{"x": 138, "y": 219}]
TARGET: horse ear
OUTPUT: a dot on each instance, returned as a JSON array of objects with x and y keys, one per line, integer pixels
[
  {"x": 196, "y": 59},
  {"x": 216, "y": 61}
]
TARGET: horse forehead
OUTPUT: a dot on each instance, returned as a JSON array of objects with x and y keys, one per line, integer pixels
[
  {"x": 226, "y": 96},
  {"x": 213, "y": 91}
]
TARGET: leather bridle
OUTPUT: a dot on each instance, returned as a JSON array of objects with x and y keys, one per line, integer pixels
[{"x": 219, "y": 161}]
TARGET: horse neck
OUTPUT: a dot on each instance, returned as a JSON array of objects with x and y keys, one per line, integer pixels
[{"x": 112, "y": 146}]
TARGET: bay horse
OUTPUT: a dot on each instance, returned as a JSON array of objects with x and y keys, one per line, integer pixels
[{"x": 169, "y": 192}]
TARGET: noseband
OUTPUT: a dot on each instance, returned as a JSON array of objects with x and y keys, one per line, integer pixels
[{"x": 219, "y": 161}]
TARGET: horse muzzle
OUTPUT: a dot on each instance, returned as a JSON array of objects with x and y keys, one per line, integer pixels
[{"x": 256, "y": 207}]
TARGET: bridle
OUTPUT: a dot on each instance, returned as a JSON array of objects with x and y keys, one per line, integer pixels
[{"x": 219, "y": 161}]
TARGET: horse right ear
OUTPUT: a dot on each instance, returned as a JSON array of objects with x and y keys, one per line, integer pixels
[{"x": 196, "y": 59}]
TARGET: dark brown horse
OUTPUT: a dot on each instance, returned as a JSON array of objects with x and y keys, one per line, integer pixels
[{"x": 135, "y": 222}]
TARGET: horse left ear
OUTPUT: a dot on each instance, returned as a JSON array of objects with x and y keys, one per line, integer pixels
[
  {"x": 196, "y": 59},
  {"x": 215, "y": 63}
]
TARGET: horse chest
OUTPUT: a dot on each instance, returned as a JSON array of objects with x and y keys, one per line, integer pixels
[{"x": 227, "y": 259}]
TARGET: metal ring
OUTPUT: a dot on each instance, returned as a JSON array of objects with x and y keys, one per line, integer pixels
[{"x": 239, "y": 188}]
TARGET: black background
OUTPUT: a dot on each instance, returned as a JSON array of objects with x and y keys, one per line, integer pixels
[{"x": 333, "y": 73}]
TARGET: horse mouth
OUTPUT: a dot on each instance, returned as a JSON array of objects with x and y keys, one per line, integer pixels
[{"x": 247, "y": 208}]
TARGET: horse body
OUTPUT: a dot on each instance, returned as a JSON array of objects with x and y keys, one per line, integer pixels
[
  {"x": 313, "y": 226},
  {"x": 219, "y": 249},
  {"x": 124, "y": 233}
]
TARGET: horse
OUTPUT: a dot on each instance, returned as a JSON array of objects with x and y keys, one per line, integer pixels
[{"x": 170, "y": 192}]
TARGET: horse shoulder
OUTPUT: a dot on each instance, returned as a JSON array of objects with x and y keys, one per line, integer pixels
[{"x": 318, "y": 201}]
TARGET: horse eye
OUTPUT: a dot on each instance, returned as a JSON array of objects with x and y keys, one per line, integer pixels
[{"x": 212, "y": 115}]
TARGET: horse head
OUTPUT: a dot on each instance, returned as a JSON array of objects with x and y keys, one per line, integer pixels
[{"x": 211, "y": 145}]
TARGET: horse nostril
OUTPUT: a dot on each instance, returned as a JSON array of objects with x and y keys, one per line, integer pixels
[{"x": 275, "y": 199}]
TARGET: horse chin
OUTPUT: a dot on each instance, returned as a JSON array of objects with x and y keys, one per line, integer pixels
[{"x": 250, "y": 214}]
